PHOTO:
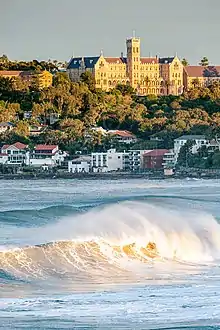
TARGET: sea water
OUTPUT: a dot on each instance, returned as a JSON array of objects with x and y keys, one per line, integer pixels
[{"x": 120, "y": 254}]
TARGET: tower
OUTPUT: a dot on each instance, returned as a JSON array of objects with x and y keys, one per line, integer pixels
[{"x": 133, "y": 60}]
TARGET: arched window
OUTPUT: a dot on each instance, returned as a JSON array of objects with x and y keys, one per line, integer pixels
[
  {"x": 133, "y": 49},
  {"x": 158, "y": 91},
  {"x": 144, "y": 90},
  {"x": 149, "y": 91},
  {"x": 109, "y": 82},
  {"x": 137, "y": 49},
  {"x": 153, "y": 90}
]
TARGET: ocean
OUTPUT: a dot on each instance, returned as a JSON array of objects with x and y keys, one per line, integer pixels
[{"x": 112, "y": 254}]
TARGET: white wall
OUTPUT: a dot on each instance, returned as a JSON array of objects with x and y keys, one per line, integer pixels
[{"x": 82, "y": 167}]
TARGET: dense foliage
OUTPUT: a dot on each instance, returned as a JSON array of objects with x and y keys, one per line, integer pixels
[{"x": 79, "y": 107}]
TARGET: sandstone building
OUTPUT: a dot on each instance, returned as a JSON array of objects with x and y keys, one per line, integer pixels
[{"x": 147, "y": 75}]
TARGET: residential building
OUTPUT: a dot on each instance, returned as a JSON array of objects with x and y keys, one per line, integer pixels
[
  {"x": 36, "y": 130},
  {"x": 147, "y": 75},
  {"x": 46, "y": 155},
  {"x": 123, "y": 136},
  {"x": 136, "y": 159},
  {"x": 6, "y": 126},
  {"x": 154, "y": 159},
  {"x": 200, "y": 76},
  {"x": 169, "y": 160},
  {"x": 108, "y": 161},
  {"x": 17, "y": 153},
  {"x": 80, "y": 165},
  {"x": 200, "y": 140},
  {"x": 42, "y": 79}
]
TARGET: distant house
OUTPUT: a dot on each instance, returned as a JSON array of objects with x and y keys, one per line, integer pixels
[
  {"x": 6, "y": 126},
  {"x": 154, "y": 159},
  {"x": 123, "y": 136},
  {"x": 200, "y": 140},
  {"x": 200, "y": 76},
  {"x": 46, "y": 155},
  {"x": 44, "y": 78},
  {"x": 36, "y": 130},
  {"x": 80, "y": 165},
  {"x": 17, "y": 153},
  {"x": 3, "y": 158}
]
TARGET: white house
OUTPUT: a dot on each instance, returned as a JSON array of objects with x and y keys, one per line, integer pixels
[
  {"x": 46, "y": 155},
  {"x": 107, "y": 161},
  {"x": 200, "y": 140},
  {"x": 17, "y": 153},
  {"x": 136, "y": 159},
  {"x": 123, "y": 136},
  {"x": 80, "y": 165},
  {"x": 6, "y": 126}
]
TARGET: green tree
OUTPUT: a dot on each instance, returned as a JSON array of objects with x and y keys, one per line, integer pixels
[
  {"x": 204, "y": 61},
  {"x": 185, "y": 62},
  {"x": 88, "y": 78}
]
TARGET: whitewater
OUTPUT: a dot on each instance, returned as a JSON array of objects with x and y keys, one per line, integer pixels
[{"x": 125, "y": 254}]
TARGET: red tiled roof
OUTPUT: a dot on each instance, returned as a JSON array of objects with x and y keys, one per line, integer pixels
[
  {"x": 19, "y": 145},
  {"x": 45, "y": 147},
  {"x": 10, "y": 73},
  {"x": 5, "y": 146},
  {"x": 201, "y": 71},
  {"x": 123, "y": 133},
  {"x": 149, "y": 60},
  {"x": 115, "y": 60},
  {"x": 156, "y": 152}
]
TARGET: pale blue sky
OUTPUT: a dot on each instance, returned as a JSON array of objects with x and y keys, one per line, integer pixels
[{"x": 56, "y": 29}]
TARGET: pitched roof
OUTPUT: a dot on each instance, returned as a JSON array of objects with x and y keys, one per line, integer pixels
[
  {"x": 89, "y": 62},
  {"x": 10, "y": 73},
  {"x": 5, "y": 146},
  {"x": 116, "y": 60},
  {"x": 149, "y": 60},
  {"x": 46, "y": 147},
  {"x": 122, "y": 133},
  {"x": 166, "y": 60},
  {"x": 201, "y": 71},
  {"x": 156, "y": 152},
  {"x": 19, "y": 145},
  {"x": 191, "y": 137}
]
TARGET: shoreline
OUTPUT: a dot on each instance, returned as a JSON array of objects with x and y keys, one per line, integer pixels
[{"x": 106, "y": 176}]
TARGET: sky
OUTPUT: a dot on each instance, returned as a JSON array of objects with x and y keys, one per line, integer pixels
[{"x": 59, "y": 29}]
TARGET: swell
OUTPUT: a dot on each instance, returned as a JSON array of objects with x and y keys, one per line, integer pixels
[{"x": 110, "y": 242}]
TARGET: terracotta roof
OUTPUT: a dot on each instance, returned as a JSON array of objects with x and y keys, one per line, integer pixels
[
  {"x": 45, "y": 147},
  {"x": 116, "y": 60},
  {"x": 201, "y": 71},
  {"x": 156, "y": 152},
  {"x": 10, "y": 73},
  {"x": 122, "y": 133},
  {"x": 5, "y": 146},
  {"x": 149, "y": 60},
  {"x": 19, "y": 145}
]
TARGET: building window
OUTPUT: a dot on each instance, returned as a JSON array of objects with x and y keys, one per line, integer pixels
[
  {"x": 133, "y": 49},
  {"x": 137, "y": 49}
]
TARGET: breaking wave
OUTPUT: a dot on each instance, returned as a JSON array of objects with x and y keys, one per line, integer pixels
[{"x": 125, "y": 240}]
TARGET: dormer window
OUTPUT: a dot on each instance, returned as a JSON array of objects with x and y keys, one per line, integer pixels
[
  {"x": 75, "y": 62},
  {"x": 91, "y": 61}
]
